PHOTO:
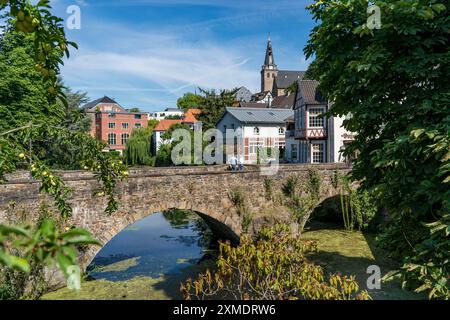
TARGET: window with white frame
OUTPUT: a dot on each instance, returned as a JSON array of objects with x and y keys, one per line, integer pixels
[
  {"x": 125, "y": 137},
  {"x": 281, "y": 131},
  {"x": 125, "y": 125},
  {"x": 280, "y": 144},
  {"x": 318, "y": 155},
  {"x": 112, "y": 139},
  {"x": 256, "y": 131},
  {"x": 254, "y": 146},
  {"x": 138, "y": 125},
  {"x": 316, "y": 117},
  {"x": 112, "y": 125}
]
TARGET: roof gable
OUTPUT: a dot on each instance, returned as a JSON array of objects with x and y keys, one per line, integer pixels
[
  {"x": 105, "y": 100},
  {"x": 309, "y": 92}
]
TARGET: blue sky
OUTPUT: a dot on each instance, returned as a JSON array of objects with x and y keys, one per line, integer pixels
[{"x": 148, "y": 53}]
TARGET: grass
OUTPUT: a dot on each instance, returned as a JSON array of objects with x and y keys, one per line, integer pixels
[
  {"x": 166, "y": 287},
  {"x": 350, "y": 253},
  {"x": 142, "y": 288}
]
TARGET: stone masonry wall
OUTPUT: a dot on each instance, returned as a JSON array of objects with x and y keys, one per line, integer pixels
[{"x": 149, "y": 190}]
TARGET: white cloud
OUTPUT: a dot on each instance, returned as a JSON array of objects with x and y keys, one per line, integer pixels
[{"x": 149, "y": 64}]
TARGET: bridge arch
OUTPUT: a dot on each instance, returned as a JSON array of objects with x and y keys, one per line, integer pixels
[
  {"x": 219, "y": 229},
  {"x": 200, "y": 189}
]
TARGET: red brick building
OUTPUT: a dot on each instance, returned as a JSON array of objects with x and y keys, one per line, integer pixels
[{"x": 112, "y": 123}]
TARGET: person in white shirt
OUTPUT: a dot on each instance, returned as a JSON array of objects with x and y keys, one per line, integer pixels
[{"x": 234, "y": 163}]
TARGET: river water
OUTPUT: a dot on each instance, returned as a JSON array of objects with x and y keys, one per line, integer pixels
[{"x": 148, "y": 260}]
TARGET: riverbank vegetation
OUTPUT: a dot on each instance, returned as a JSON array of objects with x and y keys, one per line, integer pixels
[
  {"x": 274, "y": 266},
  {"x": 391, "y": 84},
  {"x": 34, "y": 129}
]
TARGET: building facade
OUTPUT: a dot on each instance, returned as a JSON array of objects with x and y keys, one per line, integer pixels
[
  {"x": 168, "y": 113},
  {"x": 189, "y": 118},
  {"x": 311, "y": 137},
  {"x": 256, "y": 128},
  {"x": 112, "y": 124}
]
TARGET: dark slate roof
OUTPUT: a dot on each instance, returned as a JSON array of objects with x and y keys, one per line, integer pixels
[
  {"x": 285, "y": 78},
  {"x": 94, "y": 103},
  {"x": 263, "y": 115},
  {"x": 308, "y": 89},
  {"x": 284, "y": 102},
  {"x": 269, "y": 59},
  {"x": 253, "y": 105}
]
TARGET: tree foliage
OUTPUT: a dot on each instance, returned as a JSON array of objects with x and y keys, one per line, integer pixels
[
  {"x": 213, "y": 106},
  {"x": 274, "y": 266},
  {"x": 49, "y": 39},
  {"x": 394, "y": 83},
  {"x": 23, "y": 95},
  {"x": 138, "y": 148},
  {"x": 189, "y": 101},
  {"x": 30, "y": 117}
]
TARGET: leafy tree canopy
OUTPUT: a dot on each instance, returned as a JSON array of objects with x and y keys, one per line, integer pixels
[
  {"x": 394, "y": 83},
  {"x": 23, "y": 96},
  {"x": 214, "y": 105},
  {"x": 189, "y": 101}
]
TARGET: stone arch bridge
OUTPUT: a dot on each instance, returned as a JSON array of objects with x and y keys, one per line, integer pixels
[{"x": 204, "y": 190}]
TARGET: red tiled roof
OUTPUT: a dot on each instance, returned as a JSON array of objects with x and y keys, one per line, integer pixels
[
  {"x": 190, "y": 115},
  {"x": 165, "y": 125}
]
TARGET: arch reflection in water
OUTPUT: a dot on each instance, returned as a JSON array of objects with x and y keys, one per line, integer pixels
[{"x": 161, "y": 244}]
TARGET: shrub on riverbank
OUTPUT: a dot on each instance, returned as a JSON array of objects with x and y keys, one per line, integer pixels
[{"x": 274, "y": 266}]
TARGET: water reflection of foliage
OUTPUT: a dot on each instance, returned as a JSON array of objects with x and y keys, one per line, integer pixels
[
  {"x": 183, "y": 219},
  {"x": 206, "y": 239},
  {"x": 178, "y": 219}
]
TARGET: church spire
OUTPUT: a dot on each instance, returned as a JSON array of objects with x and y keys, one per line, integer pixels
[
  {"x": 269, "y": 60},
  {"x": 269, "y": 70}
]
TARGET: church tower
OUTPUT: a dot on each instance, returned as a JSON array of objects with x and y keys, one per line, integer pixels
[{"x": 269, "y": 69}]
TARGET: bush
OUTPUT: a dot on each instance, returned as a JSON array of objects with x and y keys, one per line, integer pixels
[
  {"x": 274, "y": 266},
  {"x": 237, "y": 197},
  {"x": 427, "y": 265}
]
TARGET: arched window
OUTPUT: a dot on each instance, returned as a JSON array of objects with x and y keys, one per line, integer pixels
[
  {"x": 125, "y": 137},
  {"x": 281, "y": 131},
  {"x": 256, "y": 131},
  {"x": 112, "y": 139}
]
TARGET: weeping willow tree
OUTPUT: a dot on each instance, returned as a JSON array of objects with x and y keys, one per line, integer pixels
[{"x": 138, "y": 150}]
